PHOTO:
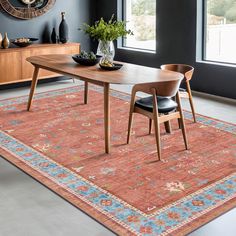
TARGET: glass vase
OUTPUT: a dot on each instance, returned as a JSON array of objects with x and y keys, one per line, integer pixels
[{"x": 106, "y": 49}]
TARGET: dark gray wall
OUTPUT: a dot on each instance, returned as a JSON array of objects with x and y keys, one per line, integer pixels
[
  {"x": 176, "y": 43},
  {"x": 77, "y": 12}
]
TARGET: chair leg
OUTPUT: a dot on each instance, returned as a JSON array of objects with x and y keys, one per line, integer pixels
[
  {"x": 150, "y": 126},
  {"x": 192, "y": 108},
  {"x": 129, "y": 126},
  {"x": 181, "y": 120},
  {"x": 157, "y": 136},
  {"x": 191, "y": 101},
  {"x": 156, "y": 125},
  {"x": 184, "y": 132},
  {"x": 168, "y": 127}
]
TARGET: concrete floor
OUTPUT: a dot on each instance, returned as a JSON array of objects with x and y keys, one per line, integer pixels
[{"x": 27, "y": 208}]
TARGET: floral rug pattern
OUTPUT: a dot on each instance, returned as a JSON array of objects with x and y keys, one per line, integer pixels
[{"x": 62, "y": 139}]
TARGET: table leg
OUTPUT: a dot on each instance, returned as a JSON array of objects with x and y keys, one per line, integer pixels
[
  {"x": 33, "y": 86},
  {"x": 85, "y": 92},
  {"x": 107, "y": 117}
]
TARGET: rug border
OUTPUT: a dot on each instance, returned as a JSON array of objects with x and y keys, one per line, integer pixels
[{"x": 101, "y": 218}]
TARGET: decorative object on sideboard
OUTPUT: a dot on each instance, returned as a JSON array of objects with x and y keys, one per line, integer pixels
[
  {"x": 23, "y": 42},
  {"x": 58, "y": 39},
  {"x": 5, "y": 42},
  {"x": 63, "y": 29},
  {"x": 0, "y": 40},
  {"x": 54, "y": 36},
  {"x": 28, "y": 9},
  {"x": 106, "y": 33}
]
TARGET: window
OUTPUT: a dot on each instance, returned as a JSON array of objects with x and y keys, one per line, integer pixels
[
  {"x": 220, "y": 31},
  {"x": 141, "y": 19}
]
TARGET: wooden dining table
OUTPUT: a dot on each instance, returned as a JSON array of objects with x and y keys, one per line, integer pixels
[{"x": 129, "y": 74}]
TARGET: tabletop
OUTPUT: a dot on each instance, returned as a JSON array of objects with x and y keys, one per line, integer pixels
[{"x": 128, "y": 74}]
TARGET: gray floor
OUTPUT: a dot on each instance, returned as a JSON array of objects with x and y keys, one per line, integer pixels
[{"x": 29, "y": 209}]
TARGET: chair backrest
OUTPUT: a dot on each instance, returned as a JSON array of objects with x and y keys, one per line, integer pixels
[
  {"x": 163, "y": 88},
  {"x": 186, "y": 70}
]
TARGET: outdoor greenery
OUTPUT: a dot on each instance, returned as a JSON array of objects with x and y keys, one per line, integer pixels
[
  {"x": 107, "y": 31},
  {"x": 224, "y": 8},
  {"x": 144, "y": 28},
  {"x": 143, "y": 7},
  {"x": 143, "y": 14}
]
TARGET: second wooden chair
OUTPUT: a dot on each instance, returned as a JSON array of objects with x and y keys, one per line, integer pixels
[{"x": 187, "y": 71}]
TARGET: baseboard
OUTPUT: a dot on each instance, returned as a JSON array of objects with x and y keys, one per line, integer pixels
[
  {"x": 28, "y": 83},
  {"x": 214, "y": 97}
]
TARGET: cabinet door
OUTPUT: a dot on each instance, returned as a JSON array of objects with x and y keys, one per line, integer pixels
[
  {"x": 10, "y": 67},
  {"x": 27, "y": 68}
]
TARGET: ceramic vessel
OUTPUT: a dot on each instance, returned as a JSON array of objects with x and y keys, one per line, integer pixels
[
  {"x": 54, "y": 36},
  {"x": 0, "y": 40},
  {"x": 5, "y": 42},
  {"x": 63, "y": 29},
  {"x": 106, "y": 49}
]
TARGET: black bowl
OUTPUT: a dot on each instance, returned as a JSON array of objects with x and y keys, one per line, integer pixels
[
  {"x": 86, "y": 62},
  {"x": 115, "y": 66},
  {"x": 33, "y": 39},
  {"x": 24, "y": 44}
]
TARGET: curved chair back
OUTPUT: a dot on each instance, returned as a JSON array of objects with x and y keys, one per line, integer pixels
[
  {"x": 163, "y": 88},
  {"x": 186, "y": 70}
]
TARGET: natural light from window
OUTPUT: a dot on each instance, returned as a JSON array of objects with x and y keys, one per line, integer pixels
[
  {"x": 141, "y": 19},
  {"x": 220, "y": 32}
]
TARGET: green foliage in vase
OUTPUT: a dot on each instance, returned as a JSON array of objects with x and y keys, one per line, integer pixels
[{"x": 107, "y": 31}]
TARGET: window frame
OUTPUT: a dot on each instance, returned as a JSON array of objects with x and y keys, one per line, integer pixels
[{"x": 204, "y": 29}]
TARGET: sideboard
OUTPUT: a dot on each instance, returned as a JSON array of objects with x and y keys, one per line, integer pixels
[{"x": 13, "y": 65}]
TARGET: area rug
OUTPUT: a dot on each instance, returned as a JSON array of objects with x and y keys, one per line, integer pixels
[{"x": 60, "y": 143}]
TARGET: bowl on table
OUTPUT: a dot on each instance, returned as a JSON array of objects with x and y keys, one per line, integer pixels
[
  {"x": 86, "y": 61},
  {"x": 114, "y": 66}
]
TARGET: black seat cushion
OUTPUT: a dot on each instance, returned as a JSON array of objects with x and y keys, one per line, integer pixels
[{"x": 165, "y": 104}]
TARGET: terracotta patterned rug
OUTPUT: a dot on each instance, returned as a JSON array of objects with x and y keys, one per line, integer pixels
[{"x": 60, "y": 143}]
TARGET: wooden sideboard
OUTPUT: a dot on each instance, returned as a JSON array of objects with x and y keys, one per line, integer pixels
[{"x": 14, "y": 67}]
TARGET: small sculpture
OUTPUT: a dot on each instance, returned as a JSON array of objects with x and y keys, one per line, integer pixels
[
  {"x": 5, "y": 42},
  {"x": 63, "y": 29},
  {"x": 54, "y": 36}
]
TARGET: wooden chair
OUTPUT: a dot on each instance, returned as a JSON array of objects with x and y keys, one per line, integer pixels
[
  {"x": 188, "y": 73},
  {"x": 159, "y": 107}
]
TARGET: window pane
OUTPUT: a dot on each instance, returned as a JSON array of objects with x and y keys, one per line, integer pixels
[
  {"x": 221, "y": 31},
  {"x": 141, "y": 19}
]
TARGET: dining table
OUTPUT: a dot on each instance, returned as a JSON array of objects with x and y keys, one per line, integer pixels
[{"x": 128, "y": 74}]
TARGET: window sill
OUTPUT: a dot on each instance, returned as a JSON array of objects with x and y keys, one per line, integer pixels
[
  {"x": 137, "y": 50},
  {"x": 216, "y": 63}
]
